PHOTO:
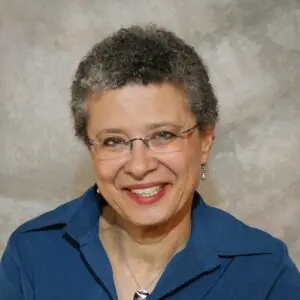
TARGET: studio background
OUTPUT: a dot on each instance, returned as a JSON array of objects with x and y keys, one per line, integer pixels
[{"x": 252, "y": 49}]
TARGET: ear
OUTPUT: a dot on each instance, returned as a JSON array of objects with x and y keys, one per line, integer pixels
[{"x": 207, "y": 138}]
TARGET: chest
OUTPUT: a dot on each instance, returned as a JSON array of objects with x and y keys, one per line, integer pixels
[
  {"x": 86, "y": 273},
  {"x": 77, "y": 282},
  {"x": 129, "y": 281}
]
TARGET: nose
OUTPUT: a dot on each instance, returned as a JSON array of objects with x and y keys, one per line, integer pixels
[{"x": 140, "y": 161}]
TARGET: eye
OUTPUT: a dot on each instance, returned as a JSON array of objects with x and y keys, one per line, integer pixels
[
  {"x": 164, "y": 135},
  {"x": 114, "y": 142}
]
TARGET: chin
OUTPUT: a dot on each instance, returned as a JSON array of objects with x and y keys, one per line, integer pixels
[
  {"x": 151, "y": 221},
  {"x": 153, "y": 216}
]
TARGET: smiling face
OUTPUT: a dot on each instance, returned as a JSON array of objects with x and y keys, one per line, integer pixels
[{"x": 145, "y": 187}]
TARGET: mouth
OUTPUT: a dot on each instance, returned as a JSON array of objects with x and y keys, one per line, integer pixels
[{"x": 147, "y": 194}]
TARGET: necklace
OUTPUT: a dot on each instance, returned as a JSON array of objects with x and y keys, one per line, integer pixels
[{"x": 141, "y": 293}]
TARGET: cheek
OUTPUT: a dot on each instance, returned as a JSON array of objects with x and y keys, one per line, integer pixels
[
  {"x": 106, "y": 172},
  {"x": 185, "y": 165}
]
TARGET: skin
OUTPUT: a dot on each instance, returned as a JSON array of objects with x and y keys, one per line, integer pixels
[{"x": 149, "y": 234}]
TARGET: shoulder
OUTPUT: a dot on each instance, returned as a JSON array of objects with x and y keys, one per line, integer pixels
[
  {"x": 58, "y": 217},
  {"x": 18, "y": 259},
  {"x": 75, "y": 215},
  {"x": 229, "y": 237},
  {"x": 265, "y": 257},
  {"x": 237, "y": 237}
]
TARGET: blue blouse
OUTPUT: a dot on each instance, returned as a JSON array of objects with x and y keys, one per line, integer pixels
[{"x": 58, "y": 256}]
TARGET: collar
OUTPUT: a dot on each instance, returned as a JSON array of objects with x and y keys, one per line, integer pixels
[
  {"x": 75, "y": 217},
  {"x": 214, "y": 231}
]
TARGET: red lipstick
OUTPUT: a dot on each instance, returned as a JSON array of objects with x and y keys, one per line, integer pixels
[{"x": 143, "y": 200}]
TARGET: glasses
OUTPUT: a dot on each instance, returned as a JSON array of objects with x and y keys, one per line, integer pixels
[{"x": 162, "y": 141}]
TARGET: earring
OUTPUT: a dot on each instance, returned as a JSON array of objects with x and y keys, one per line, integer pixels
[
  {"x": 98, "y": 191},
  {"x": 203, "y": 174}
]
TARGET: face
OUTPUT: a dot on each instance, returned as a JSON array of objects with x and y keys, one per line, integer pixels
[{"x": 145, "y": 187}]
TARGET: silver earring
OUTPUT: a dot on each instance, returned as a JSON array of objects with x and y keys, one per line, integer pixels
[
  {"x": 203, "y": 173},
  {"x": 98, "y": 191}
]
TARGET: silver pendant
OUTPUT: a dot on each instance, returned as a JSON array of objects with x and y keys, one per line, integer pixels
[{"x": 140, "y": 295}]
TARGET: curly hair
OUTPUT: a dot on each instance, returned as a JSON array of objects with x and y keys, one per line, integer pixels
[{"x": 143, "y": 55}]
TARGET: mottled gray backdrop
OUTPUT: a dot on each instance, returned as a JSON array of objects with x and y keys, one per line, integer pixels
[{"x": 252, "y": 48}]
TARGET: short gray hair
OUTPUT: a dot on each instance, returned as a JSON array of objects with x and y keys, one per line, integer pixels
[{"x": 143, "y": 55}]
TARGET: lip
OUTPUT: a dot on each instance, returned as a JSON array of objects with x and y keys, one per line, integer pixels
[
  {"x": 143, "y": 185},
  {"x": 148, "y": 200}
]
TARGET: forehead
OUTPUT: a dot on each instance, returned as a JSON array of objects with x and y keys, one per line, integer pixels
[{"x": 136, "y": 106}]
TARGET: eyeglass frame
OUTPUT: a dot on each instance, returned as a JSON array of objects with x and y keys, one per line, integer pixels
[{"x": 145, "y": 140}]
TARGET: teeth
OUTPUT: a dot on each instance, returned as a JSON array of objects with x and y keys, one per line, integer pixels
[{"x": 147, "y": 192}]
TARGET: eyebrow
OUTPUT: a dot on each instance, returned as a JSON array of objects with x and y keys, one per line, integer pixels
[
  {"x": 148, "y": 127},
  {"x": 162, "y": 124}
]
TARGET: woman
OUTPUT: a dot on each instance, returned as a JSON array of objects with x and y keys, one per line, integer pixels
[{"x": 143, "y": 105}]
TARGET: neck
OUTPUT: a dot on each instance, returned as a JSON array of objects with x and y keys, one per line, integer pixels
[{"x": 151, "y": 246}]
